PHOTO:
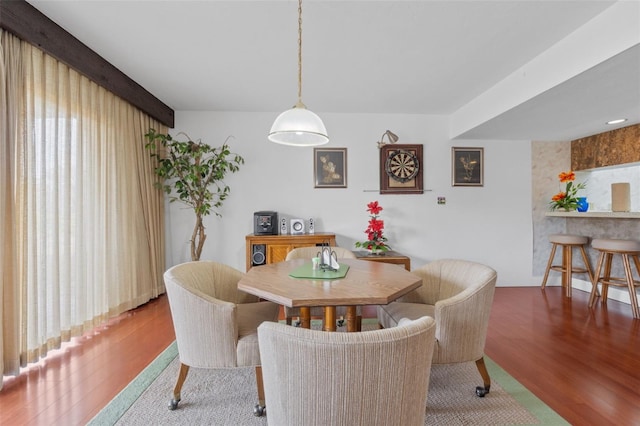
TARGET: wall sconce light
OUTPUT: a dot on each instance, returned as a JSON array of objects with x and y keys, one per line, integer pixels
[{"x": 392, "y": 137}]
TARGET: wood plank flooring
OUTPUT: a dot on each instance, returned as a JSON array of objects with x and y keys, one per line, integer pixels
[
  {"x": 70, "y": 387},
  {"x": 584, "y": 364}
]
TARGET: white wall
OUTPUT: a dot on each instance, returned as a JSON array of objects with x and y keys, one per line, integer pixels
[{"x": 490, "y": 224}]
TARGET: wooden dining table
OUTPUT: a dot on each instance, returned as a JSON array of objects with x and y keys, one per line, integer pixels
[{"x": 365, "y": 283}]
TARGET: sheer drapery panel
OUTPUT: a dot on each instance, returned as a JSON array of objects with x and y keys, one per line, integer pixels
[{"x": 83, "y": 214}]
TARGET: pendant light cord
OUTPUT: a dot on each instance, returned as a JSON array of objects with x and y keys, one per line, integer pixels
[{"x": 300, "y": 104}]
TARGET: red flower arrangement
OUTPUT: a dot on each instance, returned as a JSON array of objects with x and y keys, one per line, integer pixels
[{"x": 376, "y": 242}]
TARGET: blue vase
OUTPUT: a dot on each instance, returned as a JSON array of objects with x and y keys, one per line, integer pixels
[{"x": 583, "y": 206}]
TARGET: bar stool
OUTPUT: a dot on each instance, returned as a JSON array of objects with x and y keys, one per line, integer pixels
[
  {"x": 628, "y": 249},
  {"x": 567, "y": 242}
]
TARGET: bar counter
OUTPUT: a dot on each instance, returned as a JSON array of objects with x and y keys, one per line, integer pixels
[{"x": 585, "y": 215}]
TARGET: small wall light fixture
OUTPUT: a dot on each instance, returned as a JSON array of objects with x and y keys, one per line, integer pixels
[{"x": 392, "y": 137}]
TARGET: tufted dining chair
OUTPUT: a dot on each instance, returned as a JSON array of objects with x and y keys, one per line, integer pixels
[
  {"x": 458, "y": 294},
  {"x": 215, "y": 323},
  {"x": 308, "y": 253},
  {"x": 378, "y": 377}
]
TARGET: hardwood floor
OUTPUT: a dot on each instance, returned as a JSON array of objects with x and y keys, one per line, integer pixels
[
  {"x": 584, "y": 364},
  {"x": 70, "y": 387}
]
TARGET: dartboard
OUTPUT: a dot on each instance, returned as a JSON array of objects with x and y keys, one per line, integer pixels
[{"x": 402, "y": 165}]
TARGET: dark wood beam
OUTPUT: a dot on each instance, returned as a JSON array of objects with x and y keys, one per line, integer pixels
[{"x": 29, "y": 24}]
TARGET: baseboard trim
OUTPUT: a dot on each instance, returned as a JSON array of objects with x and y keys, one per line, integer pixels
[{"x": 614, "y": 293}]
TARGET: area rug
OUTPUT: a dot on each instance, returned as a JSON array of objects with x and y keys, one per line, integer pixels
[{"x": 227, "y": 397}]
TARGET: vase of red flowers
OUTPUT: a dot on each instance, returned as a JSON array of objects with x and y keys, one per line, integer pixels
[{"x": 376, "y": 242}]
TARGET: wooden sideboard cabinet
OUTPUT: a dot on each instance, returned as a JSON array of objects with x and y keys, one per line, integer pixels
[
  {"x": 263, "y": 249},
  {"x": 389, "y": 257}
]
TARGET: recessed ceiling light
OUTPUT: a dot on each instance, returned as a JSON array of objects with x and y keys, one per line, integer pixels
[{"x": 618, "y": 121}]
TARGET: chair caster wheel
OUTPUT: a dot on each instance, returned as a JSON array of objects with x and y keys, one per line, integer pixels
[
  {"x": 173, "y": 404},
  {"x": 340, "y": 323},
  {"x": 481, "y": 391},
  {"x": 259, "y": 410}
]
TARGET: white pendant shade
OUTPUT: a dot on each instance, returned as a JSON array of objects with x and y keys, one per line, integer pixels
[{"x": 298, "y": 127}]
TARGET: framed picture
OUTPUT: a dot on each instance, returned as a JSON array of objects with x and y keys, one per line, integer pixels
[
  {"x": 330, "y": 167},
  {"x": 401, "y": 169},
  {"x": 467, "y": 166}
]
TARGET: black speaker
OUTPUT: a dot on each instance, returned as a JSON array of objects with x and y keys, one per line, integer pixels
[{"x": 258, "y": 254}]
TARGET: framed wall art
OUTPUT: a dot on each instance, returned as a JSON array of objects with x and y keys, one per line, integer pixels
[
  {"x": 401, "y": 169},
  {"x": 330, "y": 167},
  {"x": 467, "y": 166}
]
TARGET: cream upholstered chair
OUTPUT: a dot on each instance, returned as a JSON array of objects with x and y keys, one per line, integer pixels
[
  {"x": 312, "y": 251},
  {"x": 458, "y": 294},
  {"x": 308, "y": 253},
  {"x": 378, "y": 377},
  {"x": 215, "y": 323}
]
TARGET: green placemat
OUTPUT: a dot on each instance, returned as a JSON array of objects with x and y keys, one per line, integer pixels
[{"x": 307, "y": 271}]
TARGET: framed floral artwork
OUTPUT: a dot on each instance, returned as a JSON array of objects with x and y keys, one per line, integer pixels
[
  {"x": 467, "y": 166},
  {"x": 330, "y": 167}
]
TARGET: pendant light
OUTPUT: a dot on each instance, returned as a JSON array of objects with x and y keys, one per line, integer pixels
[{"x": 298, "y": 126}]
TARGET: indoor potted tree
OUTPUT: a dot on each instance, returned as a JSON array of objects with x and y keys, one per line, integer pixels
[{"x": 192, "y": 172}]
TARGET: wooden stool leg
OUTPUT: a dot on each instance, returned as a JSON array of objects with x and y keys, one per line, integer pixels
[
  {"x": 595, "y": 280},
  {"x": 636, "y": 261},
  {"x": 630, "y": 283},
  {"x": 549, "y": 263},
  {"x": 608, "y": 258},
  {"x": 587, "y": 265},
  {"x": 567, "y": 266}
]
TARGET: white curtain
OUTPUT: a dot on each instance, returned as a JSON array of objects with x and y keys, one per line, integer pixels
[{"x": 81, "y": 222}]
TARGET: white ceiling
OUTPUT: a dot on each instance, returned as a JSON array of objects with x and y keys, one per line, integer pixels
[{"x": 545, "y": 70}]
